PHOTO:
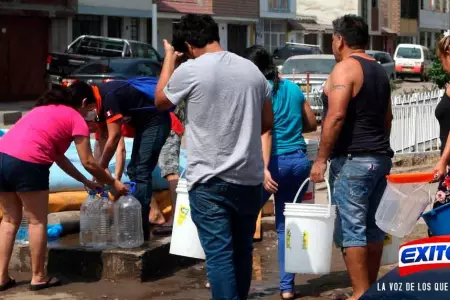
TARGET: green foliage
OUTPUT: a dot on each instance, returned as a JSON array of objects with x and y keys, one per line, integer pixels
[{"x": 437, "y": 75}]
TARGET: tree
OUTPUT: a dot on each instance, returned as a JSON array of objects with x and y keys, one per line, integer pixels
[{"x": 437, "y": 75}]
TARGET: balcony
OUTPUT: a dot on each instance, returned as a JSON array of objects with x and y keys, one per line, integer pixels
[
  {"x": 434, "y": 20},
  {"x": 278, "y": 9}
]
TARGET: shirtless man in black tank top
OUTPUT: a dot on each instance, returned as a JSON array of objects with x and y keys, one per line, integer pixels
[{"x": 355, "y": 138}]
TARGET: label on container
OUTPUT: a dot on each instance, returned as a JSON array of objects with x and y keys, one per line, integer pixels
[
  {"x": 387, "y": 239},
  {"x": 305, "y": 240},
  {"x": 288, "y": 239},
  {"x": 184, "y": 211}
]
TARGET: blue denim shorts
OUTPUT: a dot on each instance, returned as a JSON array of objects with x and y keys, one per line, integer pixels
[
  {"x": 21, "y": 176},
  {"x": 357, "y": 186}
]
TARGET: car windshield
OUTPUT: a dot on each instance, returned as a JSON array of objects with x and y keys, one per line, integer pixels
[
  {"x": 413, "y": 53},
  {"x": 311, "y": 65},
  {"x": 144, "y": 51},
  {"x": 105, "y": 67}
]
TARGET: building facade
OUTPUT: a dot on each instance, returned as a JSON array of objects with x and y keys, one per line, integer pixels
[
  {"x": 133, "y": 20},
  {"x": 434, "y": 19},
  {"x": 273, "y": 26}
]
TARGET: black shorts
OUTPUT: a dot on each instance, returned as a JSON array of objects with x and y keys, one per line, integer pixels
[{"x": 21, "y": 176}]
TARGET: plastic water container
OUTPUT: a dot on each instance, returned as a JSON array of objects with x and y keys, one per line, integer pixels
[
  {"x": 312, "y": 147},
  {"x": 101, "y": 221},
  {"x": 185, "y": 241},
  {"x": 437, "y": 220},
  {"x": 309, "y": 236},
  {"x": 128, "y": 220},
  {"x": 390, "y": 250},
  {"x": 404, "y": 200},
  {"x": 22, "y": 233},
  {"x": 86, "y": 231}
]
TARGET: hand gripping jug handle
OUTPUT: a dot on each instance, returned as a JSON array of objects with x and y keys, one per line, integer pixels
[
  {"x": 328, "y": 189},
  {"x": 132, "y": 186}
]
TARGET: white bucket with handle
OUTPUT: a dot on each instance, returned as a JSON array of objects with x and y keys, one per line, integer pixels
[
  {"x": 185, "y": 241},
  {"x": 309, "y": 235}
]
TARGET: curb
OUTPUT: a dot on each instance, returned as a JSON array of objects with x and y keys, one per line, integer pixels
[
  {"x": 140, "y": 265},
  {"x": 10, "y": 117}
]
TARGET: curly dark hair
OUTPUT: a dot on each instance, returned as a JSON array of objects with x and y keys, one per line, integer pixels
[{"x": 196, "y": 30}]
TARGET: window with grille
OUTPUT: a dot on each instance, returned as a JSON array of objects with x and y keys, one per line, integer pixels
[
  {"x": 279, "y": 5},
  {"x": 86, "y": 25},
  {"x": 115, "y": 27},
  {"x": 134, "y": 29},
  {"x": 409, "y": 9}
]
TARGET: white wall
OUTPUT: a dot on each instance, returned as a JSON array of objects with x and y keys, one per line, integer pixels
[
  {"x": 223, "y": 34},
  {"x": 265, "y": 13},
  {"x": 326, "y": 10},
  {"x": 134, "y": 4},
  {"x": 165, "y": 31},
  {"x": 434, "y": 20}
]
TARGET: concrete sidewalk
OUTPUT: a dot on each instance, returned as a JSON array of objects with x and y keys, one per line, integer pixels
[{"x": 11, "y": 112}]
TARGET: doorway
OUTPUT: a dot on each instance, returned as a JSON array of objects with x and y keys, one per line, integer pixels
[{"x": 237, "y": 38}]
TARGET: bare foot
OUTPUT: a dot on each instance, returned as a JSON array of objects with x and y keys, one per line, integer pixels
[
  {"x": 287, "y": 295},
  {"x": 156, "y": 217}
]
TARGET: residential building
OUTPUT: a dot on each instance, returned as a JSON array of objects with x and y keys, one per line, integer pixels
[
  {"x": 390, "y": 22},
  {"x": 132, "y": 20},
  {"x": 312, "y": 24},
  {"x": 434, "y": 19},
  {"x": 273, "y": 26},
  {"x": 24, "y": 45}
]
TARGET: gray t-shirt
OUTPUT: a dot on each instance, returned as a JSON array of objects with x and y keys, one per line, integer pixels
[{"x": 224, "y": 96}]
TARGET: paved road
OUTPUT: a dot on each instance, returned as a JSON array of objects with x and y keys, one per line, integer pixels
[{"x": 412, "y": 85}]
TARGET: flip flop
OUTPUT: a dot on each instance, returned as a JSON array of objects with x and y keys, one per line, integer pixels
[
  {"x": 8, "y": 284},
  {"x": 51, "y": 282},
  {"x": 164, "y": 229}
]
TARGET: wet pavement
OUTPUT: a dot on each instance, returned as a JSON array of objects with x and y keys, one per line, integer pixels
[{"x": 189, "y": 283}]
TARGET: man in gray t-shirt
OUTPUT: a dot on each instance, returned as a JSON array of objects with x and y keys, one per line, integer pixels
[{"x": 228, "y": 108}]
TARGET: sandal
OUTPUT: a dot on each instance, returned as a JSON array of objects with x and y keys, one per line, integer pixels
[
  {"x": 164, "y": 229},
  {"x": 51, "y": 282},
  {"x": 10, "y": 283}
]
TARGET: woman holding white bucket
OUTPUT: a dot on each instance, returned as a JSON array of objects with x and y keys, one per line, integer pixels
[{"x": 284, "y": 149}]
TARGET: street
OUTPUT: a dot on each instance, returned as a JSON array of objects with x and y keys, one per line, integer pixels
[{"x": 412, "y": 85}]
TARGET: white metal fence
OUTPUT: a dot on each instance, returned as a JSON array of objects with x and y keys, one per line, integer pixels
[
  {"x": 415, "y": 128},
  {"x": 432, "y": 96}
]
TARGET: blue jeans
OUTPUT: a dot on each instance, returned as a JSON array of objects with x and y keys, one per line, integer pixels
[
  {"x": 357, "y": 186},
  {"x": 289, "y": 171},
  {"x": 225, "y": 215},
  {"x": 148, "y": 141}
]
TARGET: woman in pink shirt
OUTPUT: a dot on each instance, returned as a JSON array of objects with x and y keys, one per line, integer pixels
[{"x": 27, "y": 151}]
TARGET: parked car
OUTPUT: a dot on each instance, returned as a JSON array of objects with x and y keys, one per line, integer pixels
[
  {"x": 87, "y": 48},
  {"x": 384, "y": 59},
  {"x": 412, "y": 61},
  {"x": 293, "y": 49},
  {"x": 319, "y": 67},
  {"x": 105, "y": 70}
]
